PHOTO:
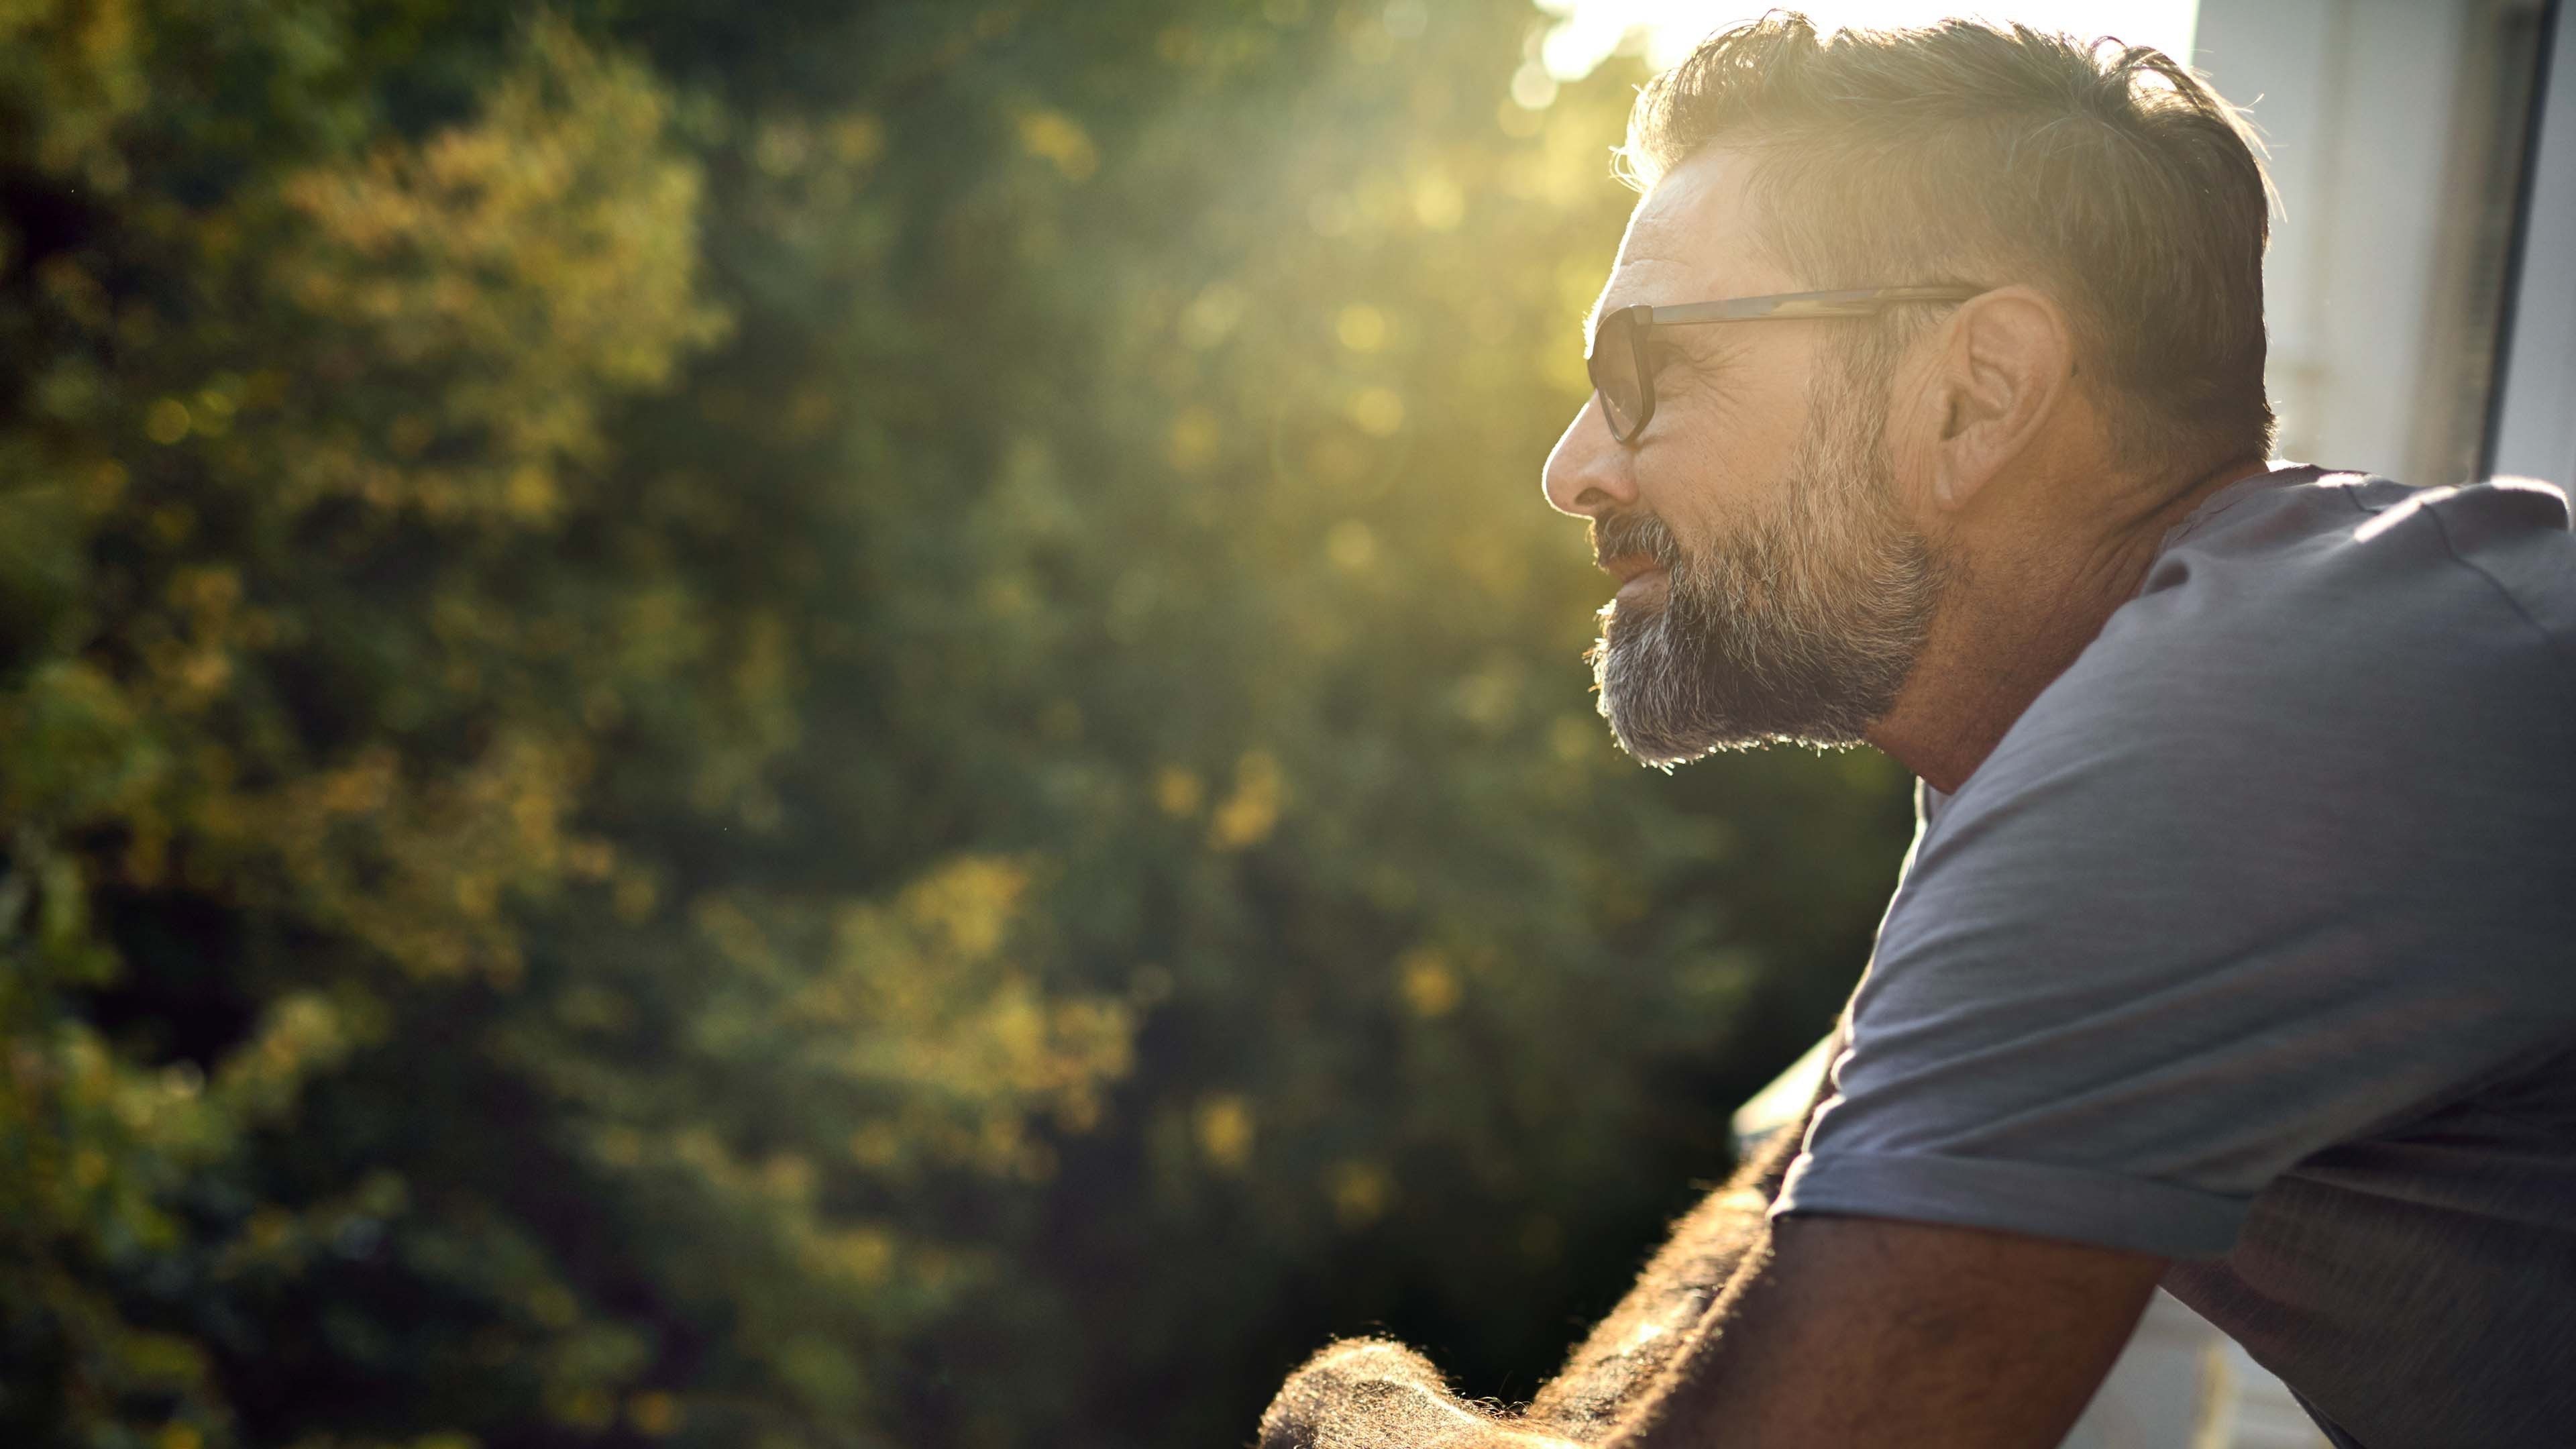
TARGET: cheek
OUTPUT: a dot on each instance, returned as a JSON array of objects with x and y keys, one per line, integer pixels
[{"x": 1724, "y": 456}]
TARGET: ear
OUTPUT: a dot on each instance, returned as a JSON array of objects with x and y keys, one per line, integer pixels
[{"x": 1999, "y": 377}]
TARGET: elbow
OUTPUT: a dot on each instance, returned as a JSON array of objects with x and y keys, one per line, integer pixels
[{"x": 1357, "y": 1391}]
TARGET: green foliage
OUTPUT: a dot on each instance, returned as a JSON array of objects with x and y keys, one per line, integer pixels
[{"x": 770, "y": 726}]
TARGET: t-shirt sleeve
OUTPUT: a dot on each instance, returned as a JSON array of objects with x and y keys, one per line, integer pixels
[{"x": 2210, "y": 908}]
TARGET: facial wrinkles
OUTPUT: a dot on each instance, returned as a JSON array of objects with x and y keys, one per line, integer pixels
[{"x": 1801, "y": 625}]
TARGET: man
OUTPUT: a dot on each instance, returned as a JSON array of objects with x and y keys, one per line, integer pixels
[{"x": 2237, "y": 948}]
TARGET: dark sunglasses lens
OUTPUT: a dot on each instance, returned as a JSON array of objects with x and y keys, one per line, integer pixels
[{"x": 1613, "y": 364}]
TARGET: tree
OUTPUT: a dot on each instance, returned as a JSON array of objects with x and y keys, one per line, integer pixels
[{"x": 817, "y": 727}]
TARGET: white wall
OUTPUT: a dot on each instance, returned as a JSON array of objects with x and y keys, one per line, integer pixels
[
  {"x": 2537, "y": 438},
  {"x": 2352, "y": 98}
]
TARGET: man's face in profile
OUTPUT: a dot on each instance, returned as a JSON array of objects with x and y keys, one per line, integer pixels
[{"x": 1775, "y": 587}]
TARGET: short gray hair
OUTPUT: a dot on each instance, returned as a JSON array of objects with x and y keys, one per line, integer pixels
[{"x": 2107, "y": 175}]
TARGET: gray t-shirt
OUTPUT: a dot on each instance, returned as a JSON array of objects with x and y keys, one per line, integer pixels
[{"x": 2253, "y": 945}]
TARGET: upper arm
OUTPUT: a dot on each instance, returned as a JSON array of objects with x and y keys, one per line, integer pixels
[{"x": 1860, "y": 1330}]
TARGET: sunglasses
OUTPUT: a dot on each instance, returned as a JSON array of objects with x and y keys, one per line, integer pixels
[{"x": 1623, "y": 366}]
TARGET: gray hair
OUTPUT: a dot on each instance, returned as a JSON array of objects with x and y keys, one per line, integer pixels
[{"x": 2107, "y": 175}]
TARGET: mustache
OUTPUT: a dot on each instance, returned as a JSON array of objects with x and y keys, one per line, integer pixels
[{"x": 1634, "y": 534}]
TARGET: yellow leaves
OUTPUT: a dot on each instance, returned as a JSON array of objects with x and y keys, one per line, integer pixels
[
  {"x": 190, "y": 653},
  {"x": 1192, "y": 440},
  {"x": 421, "y": 869},
  {"x": 103, "y": 487},
  {"x": 210, "y": 591},
  {"x": 930, "y": 1001},
  {"x": 361, "y": 787},
  {"x": 634, "y": 894},
  {"x": 166, "y": 421},
  {"x": 967, "y": 907},
  {"x": 1058, "y": 138},
  {"x": 80, "y": 63},
  {"x": 1428, "y": 982},
  {"x": 303, "y": 1035},
  {"x": 78, "y": 747},
  {"x": 876, "y": 1145},
  {"x": 861, "y": 1257},
  {"x": 1248, "y": 814},
  {"x": 115, "y": 1134},
  {"x": 212, "y": 414},
  {"x": 1223, "y": 1126},
  {"x": 654, "y": 1415},
  {"x": 788, "y": 1178},
  {"x": 856, "y": 140},
  {"x": 69, "y": 286},
  {"x": 1178, "y": 792},
  {"x": 540, "y": 259},
  {"x": 530, "y": 495},
  {"x": 1360, "y": 1190}
]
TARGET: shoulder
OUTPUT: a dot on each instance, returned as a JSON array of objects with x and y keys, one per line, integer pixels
[
  {"x": 2342, "y": 585},
  {"x": 2337, "y": 690},
  {"x": 2327, "y": 630}
]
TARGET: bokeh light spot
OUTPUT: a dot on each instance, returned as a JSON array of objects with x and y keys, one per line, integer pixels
[
  {"x": 1438, "y": 202},
  {"x": 166, "y": 422},
  {"x": 1211, "y": 315},
  {"x": 1533, "y": 89},
  {"x": 1429, "y": 983},
  {"x": 1362, "y": 328},
  {"x": 1351, "y": 545},
  {"x": 653, "y": 1414},
  {"x": 1360, "y": 1192},
  {"x": 1224, "y": 1127},
  {"x": 1191, "y": 441},
  {"x": 1178, "y": 792},
  {"x": 1377, "y": 411},
  {"x": 1058, "y": 138},
  {"x": 1251, "y": 812}
]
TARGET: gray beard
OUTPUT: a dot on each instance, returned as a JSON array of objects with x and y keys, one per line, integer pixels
[{"x": 1800, "y": 629}]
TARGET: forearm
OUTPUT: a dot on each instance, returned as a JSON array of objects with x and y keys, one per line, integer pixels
[
  {"x": 1611, "y": 1372},
  {"x": 1372, "y": 1394},
  {"x": 1858, "y": 1330},
  {"x": 1817, "y": 1332}
]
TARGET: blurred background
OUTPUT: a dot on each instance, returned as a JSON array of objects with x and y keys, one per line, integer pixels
[{"x": 828, "y": 724}]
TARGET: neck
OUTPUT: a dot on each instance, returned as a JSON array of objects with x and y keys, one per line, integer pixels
[{"x": 2019, "y": 614}]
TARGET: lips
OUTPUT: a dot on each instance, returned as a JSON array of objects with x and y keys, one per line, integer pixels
[
  {"x": 1627, "y": 566},
  {"x": 1632, "y": 545}
]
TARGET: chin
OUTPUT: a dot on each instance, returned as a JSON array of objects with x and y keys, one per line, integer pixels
[{"x": 1671, "y": 697}]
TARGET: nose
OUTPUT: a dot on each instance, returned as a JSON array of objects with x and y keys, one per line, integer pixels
[{"x": 1589, "y": 474}]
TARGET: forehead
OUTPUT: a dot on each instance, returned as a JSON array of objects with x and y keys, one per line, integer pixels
[{"x": 1692, "y": 238}]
